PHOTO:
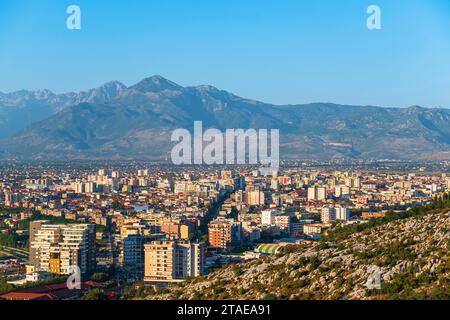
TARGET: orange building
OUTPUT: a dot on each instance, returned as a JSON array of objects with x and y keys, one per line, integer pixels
[
  {"x": 223, "y": 233},
  {"x": 55, "y": 265},
  {"x": 372, "y": 215},
  {"x": 171, "y": 228}
]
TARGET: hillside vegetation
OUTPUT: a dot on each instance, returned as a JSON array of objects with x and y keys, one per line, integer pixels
[{"x": 410, "y": 249}]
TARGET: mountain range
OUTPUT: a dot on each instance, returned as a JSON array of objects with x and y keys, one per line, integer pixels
[{"x": 119, "y": 122}]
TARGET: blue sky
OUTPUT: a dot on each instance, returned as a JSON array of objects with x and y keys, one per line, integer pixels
[{"x": 277, "y": 51}]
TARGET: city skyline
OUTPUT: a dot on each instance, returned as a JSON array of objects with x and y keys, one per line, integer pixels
[{"x": 312, "y": 231}]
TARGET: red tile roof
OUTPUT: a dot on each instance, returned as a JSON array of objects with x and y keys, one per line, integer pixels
[
  {"x": 57, "y": 291},
  {"x": 27, "y": 296}
]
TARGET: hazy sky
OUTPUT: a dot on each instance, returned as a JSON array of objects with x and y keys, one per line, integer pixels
[{"x": 276, "y": 51}]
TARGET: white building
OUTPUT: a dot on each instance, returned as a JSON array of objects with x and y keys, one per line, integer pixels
[
  {"x": 328, "y": 215},
  {"x": 317, "y": 193},
  {"x": 274, "y": 184},
  {"x": 172, "y": 261},
  {"x": 353, "y": 182},
  {"x": 283, "y": 222},
  {"x": 56, "y": 248},
  {"x": 268, "y": 217},
  {"x": 312, "y": 228},
  {"x": 340, "y": 191},
  {"x": 342, "y": 214}
]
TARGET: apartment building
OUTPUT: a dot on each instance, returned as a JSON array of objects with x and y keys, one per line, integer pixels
[
  {"x": 342, "y": 214},
  {"x": 35, "y": 226},
  {"x": 341, "y": 191},
  {"x": 312, "y": 228},
  {"x": 179, "y": 230},
  {"x": 133, "y": 254},
  {"x": 297, "y": 227},
  {"x": 172, "y": 260},
  {"x": 328, "y": 214},
  {"x": 268, "y": 216},
  {"x": 353, "y": 182},
  {"x": 56, "y": 248},
  {"x": 255, "y": 198},
  {"x": 283, "y": 222},
  {"x": 317, "y": 193},
  {"x": 224, "y": 233}
]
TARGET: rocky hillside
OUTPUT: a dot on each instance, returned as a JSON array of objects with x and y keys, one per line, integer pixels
[{"x": 412, "y": 256}]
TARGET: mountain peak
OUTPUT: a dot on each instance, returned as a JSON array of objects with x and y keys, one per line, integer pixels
[
  {"x": 415, "y": 109},
  {"x": 105, "y": 93},
  {"x": 155, "y": 84},
  {"x": 205, "y": 87},
  {"x": 115, "y": 84},
  {"x": 43, "y": 94}
]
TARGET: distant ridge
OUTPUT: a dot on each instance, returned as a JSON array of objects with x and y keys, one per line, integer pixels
[{"x": 114, "y": 121}]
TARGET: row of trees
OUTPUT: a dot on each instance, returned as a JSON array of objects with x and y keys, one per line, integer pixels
[
  {"x": 9, "y": 240},
  {"x": 441, "y": 202},
  {"x": 25, "y": 224}
]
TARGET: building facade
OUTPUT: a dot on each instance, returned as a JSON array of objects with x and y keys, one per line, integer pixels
[
  {"x": 224, "y": 233},
  {"x": 172, "y": 260},
  {"x": 342, "y": 214},
  {"x": 328, "y": 214},
  {"x": 317, "y": 193},
  {"x": 57, "y": 248},
  {"x": 133, "y": 254}
]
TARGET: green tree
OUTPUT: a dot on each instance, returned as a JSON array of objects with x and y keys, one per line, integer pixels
[
  {"x": 5, "y": 286},
  {"x": 100, "y": 277},
  {"x": 269, "y": 296},
  {"x": 95, "y": 294}
]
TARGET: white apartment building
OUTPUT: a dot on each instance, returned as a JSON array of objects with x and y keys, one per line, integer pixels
[
  {"x": 268, "y": 217},
  {"x": 172, "y": 261},
  {"x": 340, "y": 191},
  {"x": 317, "y": 193},
  {"x": 328, "y": 215},
  {"x": 55, "y": 248},
  {"x": 342, "y": 214}
]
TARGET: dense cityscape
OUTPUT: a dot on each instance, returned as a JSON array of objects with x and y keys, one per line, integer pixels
[
  {"x": 131, "y": 230},
  {"x": 224, "y": 159}
]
